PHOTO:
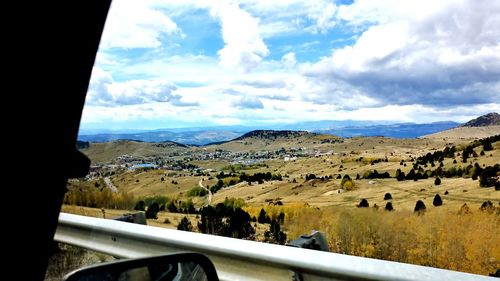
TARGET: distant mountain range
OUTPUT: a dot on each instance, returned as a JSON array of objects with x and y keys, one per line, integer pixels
[
  {"x": 203, "y": 136},
  {"x": 402, "y": 130},
  {"x": 187, "y": 137}
]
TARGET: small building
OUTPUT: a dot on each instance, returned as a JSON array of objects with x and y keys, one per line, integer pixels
[{"x": 143, "y": 166}]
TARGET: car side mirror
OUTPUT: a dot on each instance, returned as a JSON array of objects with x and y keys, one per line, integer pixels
[{"x": 181, "y": 266}]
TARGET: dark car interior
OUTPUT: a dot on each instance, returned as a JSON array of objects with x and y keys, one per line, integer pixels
[{"x": 53, "y": 50}]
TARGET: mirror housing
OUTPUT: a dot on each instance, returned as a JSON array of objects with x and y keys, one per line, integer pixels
[{"x": 179, "y": 266}]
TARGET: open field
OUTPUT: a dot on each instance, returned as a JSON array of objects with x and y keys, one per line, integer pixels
[
  {"x": 274, "y": 173},
  {"x": 466, "y": 133},
  {"x": 172, "y": 219}
]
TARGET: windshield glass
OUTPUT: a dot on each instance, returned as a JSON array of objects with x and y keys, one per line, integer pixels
[{"x": 373, "y": 122}]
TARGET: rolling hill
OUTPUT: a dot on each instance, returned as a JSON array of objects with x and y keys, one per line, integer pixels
[
  {"x": 490, "y": 119},
  {"x": 484, "y": 126},
  {"x": 108, "y": 151}
]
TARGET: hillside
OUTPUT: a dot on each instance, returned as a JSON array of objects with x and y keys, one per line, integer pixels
[
  {"x": 490, "y": 119},
  {"x": 401, "y": 130},
  {"x": 318, "y": 182},
  {"x": 271, "y": 140},
  {"x": 106, "y": 152},
  {"x": 295, "y": 155},
  {"x": 272, "y": 134},
  {"x": 466, "y": 133}
]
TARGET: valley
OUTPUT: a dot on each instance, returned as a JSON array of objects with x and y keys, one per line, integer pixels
[{"x": 309, "y": 181}]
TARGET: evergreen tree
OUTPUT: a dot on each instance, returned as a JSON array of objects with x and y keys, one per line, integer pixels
[
  {"x": 274, "y": 234},
  {"x": 263, "y": 217},
  {"x": 437, "y": 181},
  {"x": 140, "y": 206},
  {"x": 363, "y": 203},
  {"x": 185, "y": 225},
  {"x": 152, "y": 211},
  {"x": 487, "y": 146},
  {"x": 437, "y": 201},
  {"x": 388, "y": 206},
  {"x": 419, "y": 206}
]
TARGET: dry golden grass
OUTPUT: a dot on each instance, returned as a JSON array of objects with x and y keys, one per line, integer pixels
[
  {"x": 466, "y": 133},
  {"x": 147, "y": 183},
  {"x": 254, "y": 144},
  {"x": 404, "y": 194},
  {"x": 174, "y": 218},
  {"x": 439, "y": 238},
  {"x": 105, "y": 152}
]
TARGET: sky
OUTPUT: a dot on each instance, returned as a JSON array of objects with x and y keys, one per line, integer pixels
[{"x": 196, "y": 63}]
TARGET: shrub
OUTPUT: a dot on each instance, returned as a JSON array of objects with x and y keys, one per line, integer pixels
[
  {"x": 281, "y": 218},
  {"x": 171, "y": 207},
  {"x": 185, "y": 225},
  {"x": 274, "y": 234},
  {"x": 487, "y": 146},
  {"x": 349, "y": 185},
  {"x": 419, "y": 206},
  {"x": 464, "y": 210},
  {"x": 400, "y": 176},
  {"x": 152, "y": 211},
  {"x": 437, "y": 181},
  {"x": 446, "y": 192},
  {"x": 225, "y": 221},
  {"x": 160, "y": 199},
  {"x": 388, "y": 206},
  {"x": 344, "y": 180},
  {"x": 363, "y": 203},
  {"x": 139, "y": 206},
  {"x": 487, "y": 206},
  {"x": 310, "y": 177},
  {"x": 437, "y": 201},
  {"x": 387, "y": 196},
  {"x": 488, "y": 176},
  {"x": 196, "y": 191},
  {"x": 495, "y": 274}
]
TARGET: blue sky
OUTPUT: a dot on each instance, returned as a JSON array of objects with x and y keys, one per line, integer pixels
[{"x": 172, "y": 64}]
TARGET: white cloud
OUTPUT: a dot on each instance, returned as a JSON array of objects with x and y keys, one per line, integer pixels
[
  {"x": 249, "y": 102},
  {"x": 135, "y": 24},
  {"x": 103, "y": 90},
  {"x": 314, "y": 16},
  {"x": 244, "y": 46},
  {"x": 323, "y": 13},
  {"x": 289, "y": 60},
  {"x": 418, "y": 61},
  {"x": 419, "y": 52}
]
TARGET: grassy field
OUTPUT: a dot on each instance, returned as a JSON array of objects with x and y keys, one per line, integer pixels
[
  {"x": 441, "y": 237},
  {"x": 468, "y": 133},
  {"x": 107, "y": 152},
  {"x": 165, "y": 219}
]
